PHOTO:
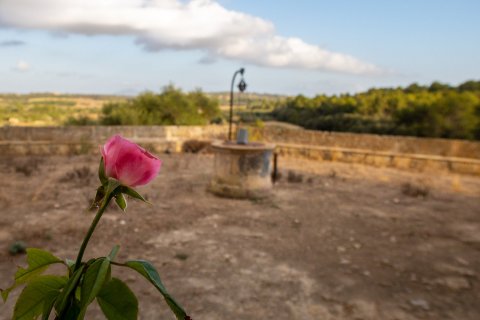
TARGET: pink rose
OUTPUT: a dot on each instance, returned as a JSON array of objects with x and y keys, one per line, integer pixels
[{"x": 129, "y": 163}]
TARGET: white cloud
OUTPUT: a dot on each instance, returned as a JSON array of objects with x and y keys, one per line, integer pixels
[
  {"x": 11, "y": 43},
  {"x": 182, "y": 25},
  {"x": 22, "y": 66}
]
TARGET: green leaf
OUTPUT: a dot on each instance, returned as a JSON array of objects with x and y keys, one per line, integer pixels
[
  {"x": 64, "y": 297},
  {"x": 94, "y": 279},
  {"x": 38, "y": 261},
  {"x": 117, "y": 301},
  {"x": 113, "y": 253},
  {"x": 112, "y": 186},
  {"x": 48, "y": 306},
  {"x": 73, "y": 311},
  {"x": 37, "y": 297},
  {"x": 70, "y": 263},
  {"x": 101, "y": 172},
  {"x": 132, "y": 193},
  {"x": 147, "y": 270},
  {"x": 121, "y": 202},
  {"x": 98, "y": 198}
]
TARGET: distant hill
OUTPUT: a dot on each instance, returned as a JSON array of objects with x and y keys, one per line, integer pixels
[
  {"x": 249, "y": 101},
  {"x": 224, "y": 97},
  {"x": 49, "y": 109}
]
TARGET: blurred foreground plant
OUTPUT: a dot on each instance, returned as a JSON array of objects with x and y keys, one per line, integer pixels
[{"x": 123, "y": 165}]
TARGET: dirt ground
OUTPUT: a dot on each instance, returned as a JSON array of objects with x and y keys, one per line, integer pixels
[{"x": 335, "y": 241}]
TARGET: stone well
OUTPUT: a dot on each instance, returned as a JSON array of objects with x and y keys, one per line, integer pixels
[{"x": 242, "y": 170}]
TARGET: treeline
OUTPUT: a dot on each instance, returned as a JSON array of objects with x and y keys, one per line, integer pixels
[
  {"x": 438, "y": 110},
  {"x": 169, "y": 107}
]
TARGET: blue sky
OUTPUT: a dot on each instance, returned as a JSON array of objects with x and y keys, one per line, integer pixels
[{"x": 287, "y": 47}]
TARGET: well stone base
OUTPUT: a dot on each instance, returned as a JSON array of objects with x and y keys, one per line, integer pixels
[{"x": 242, "y": 171}]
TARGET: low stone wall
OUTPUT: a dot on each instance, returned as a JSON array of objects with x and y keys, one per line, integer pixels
[
  {"x": 413, "y": 162},
  {"x": 411, "y": 153},
  {"x": 80, "y": 140},
  {"x": 384, "y": 143},
  {"x": 456, "y": 156}
]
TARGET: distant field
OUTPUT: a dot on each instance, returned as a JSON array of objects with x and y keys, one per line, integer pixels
[
  {"x": 55, "y": 110},
  {"x": 49, "y": 109}
]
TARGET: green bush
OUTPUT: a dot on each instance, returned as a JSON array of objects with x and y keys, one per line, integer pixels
[
  {"x": 170, "y": 107},
  {"x": 80, "y": 121},
  {"x": 438, "y": 110}
]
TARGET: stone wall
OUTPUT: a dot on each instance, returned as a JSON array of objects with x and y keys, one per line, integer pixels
[
  {"x": 410, "y": 153},
  {"x": 393, "y": 144},
  {"x": 78, "y": 140}
]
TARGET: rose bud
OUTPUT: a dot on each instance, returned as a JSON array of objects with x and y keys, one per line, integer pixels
[{"x": 129, "y": 163}]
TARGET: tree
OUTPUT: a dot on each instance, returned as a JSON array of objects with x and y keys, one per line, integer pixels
[
  {"x": 170, "y": 107},
  {"x": 438, "y": 110},
  {"x": 437, "y": 86}
]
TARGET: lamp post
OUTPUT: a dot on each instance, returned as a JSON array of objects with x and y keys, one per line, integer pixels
[{"x": 241, "y": 86}]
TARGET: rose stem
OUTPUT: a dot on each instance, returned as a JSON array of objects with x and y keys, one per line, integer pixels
[{"x": 95, "y": 221}]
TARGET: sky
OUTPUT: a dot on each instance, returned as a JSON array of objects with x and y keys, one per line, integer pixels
[{"x": 286, "y": 47}]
